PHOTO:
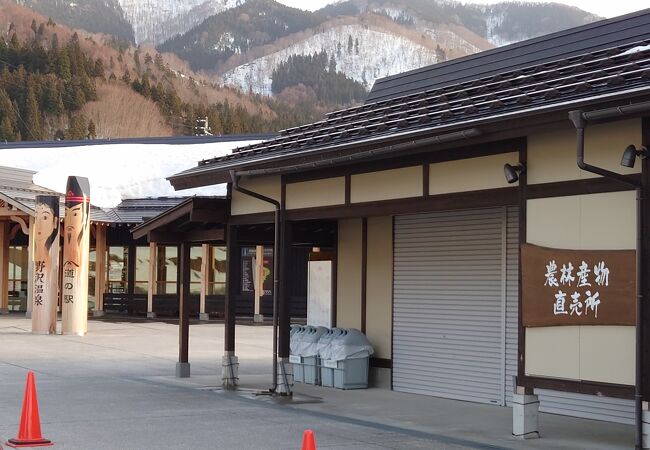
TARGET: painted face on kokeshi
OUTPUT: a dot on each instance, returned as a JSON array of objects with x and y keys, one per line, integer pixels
[
  {"x": 47, "y": 218},
  {"x": 77, "y": 209}
]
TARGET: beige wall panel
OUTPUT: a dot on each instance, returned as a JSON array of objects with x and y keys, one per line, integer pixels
[
  {"x": 244, "y": 204},
  {"x": 607, "y": 354},
  {"x": 386, "y": 185},
  {"x": 485, "y": 172},
  {"x": 309, "y": 194},
  {"x": 552, "y": 155},
  {"x": 348, "y": 279},
  {"x": 553, "y": 352},
  {"x": 379, "y": 291},
  {"x": 584, "y": 222}
]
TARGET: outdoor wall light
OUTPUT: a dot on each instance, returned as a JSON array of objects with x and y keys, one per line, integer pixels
[
  {"x": 630, "y": 154},
  {"x": 512, "y": 172}
]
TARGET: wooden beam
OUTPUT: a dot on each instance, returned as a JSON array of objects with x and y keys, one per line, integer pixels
[
  {"x": 231, "y": 289},
  {"x": 13, "y": 231},
  {"x": 184, "y": 308},
  {"x": 152, "y": 281},
  {"x": 198, "y": 236},
  {"x": 4, "y": 268},
  {"x": 24, "y": 225},
  {"x": 286, "y": 228},
  {"x": 100, "y": 266},
  {"x": 364, "y": 272},
  {"x": 207, "y": 216},
  {"x": 30, "y": 267},
  {"x": 12, "y": 213},
  {"x": 259, "y": 285}
]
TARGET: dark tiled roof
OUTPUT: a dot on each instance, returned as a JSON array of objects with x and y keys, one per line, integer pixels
[
  {"x": 16, "y": 186},
  {"x": 141, "y": 209},
  {"x": 564, "y": 81}
]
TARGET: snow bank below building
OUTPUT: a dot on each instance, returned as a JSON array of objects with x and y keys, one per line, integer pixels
[{"x": 119, "y": 171}]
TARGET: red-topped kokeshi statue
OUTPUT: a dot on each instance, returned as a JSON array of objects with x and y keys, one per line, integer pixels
[
  {"x": 45, "y": 264},
  {"x": 76, "y": 246}
]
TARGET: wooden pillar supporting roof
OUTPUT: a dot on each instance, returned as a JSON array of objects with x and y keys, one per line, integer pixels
[{"x": 198, "y": 220}]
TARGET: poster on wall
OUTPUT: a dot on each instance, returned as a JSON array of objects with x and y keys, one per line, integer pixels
[
  {"x": 319, "y": 294},
  {"x": 248, "y": 255},
  {"x": 577, "y": 287}
]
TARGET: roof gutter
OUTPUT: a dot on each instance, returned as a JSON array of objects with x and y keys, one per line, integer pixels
[
  {"x": 440, "y": 139},
  {"x": 234, "y": 177},
  {"x": 580, "y": 120}
]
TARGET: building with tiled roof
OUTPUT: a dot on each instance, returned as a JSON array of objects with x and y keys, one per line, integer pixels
[{"x": 489, "y": 220}]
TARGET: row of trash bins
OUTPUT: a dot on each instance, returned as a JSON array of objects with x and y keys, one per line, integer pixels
[{"x": 332, "y": 357}]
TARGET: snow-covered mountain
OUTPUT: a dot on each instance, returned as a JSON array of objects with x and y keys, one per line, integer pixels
[
  {"x": 155, "y": 21},
  {"x": 374, "y": 53}
]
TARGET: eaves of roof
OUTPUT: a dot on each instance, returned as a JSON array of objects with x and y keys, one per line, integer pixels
[{"x": 607, "y": 74}]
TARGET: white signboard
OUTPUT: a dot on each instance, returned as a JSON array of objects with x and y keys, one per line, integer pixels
[{"x": 319, "y": 294}]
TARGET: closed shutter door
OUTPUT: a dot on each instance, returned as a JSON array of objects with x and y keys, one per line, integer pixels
[
  {"x": 451, "y": 291},
  {"x": 588, "y": 406}
]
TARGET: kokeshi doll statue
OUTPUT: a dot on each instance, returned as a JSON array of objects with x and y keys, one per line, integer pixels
[
  {"x": 45, "y": 264},
  {"x": 76, "y": 246}
]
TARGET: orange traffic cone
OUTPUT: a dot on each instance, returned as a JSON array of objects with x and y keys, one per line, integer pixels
[
  {"x": 29, "y": 432},
  {"x": 308, "y": 441}
]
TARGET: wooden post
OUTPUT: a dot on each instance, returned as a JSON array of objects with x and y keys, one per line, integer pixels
[
  {"x": 44, "y": 264},
  {"x": 30, "y": 269},
  {"x": 152, "y": 281},
  {"x": 231, "y": 289},
  {"x": 76, "y": 246},
  {"x": 229, "y": 362},
  {"x": 4, "y": 268},
  {"x": 183, "y": 365},
  {"x": 285, "y": 375},
  {"x": 283, "y": 304},
  {"x": 100, "y": 269},
  {"x": 205, "y": 279},
  {"x": 258, "y": 280}
]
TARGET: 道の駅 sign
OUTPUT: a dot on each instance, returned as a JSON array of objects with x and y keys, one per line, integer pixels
[{"x": 577, "y": 287}]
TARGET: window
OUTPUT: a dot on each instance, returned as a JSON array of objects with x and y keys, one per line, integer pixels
[
  {"x": 217, "y": 271},
  {"x": 167, "y": 268},
  {"x": 117, "y": 279},
  {"x": 196, "y": 259},
  {"x": 18, "y": 263},
  {"x": 141, "y": 270}
]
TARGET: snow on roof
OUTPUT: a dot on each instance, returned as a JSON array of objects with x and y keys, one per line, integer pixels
[{"x": 119, "y": 171}]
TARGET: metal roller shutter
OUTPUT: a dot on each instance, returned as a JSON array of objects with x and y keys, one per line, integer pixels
[
  {"x": 452, "y": 294},
  {"x": 587, "y": 406},
  {"x": 450, "y": 298}
]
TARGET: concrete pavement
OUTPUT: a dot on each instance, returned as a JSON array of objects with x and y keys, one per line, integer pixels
[{"x": 114, "y": 389}]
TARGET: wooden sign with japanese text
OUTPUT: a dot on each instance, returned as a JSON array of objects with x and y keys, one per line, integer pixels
[
  {"x": 577, "y": 287},
  {"x": 45, "y": 264},
  {"x": 76, "y": 247}
]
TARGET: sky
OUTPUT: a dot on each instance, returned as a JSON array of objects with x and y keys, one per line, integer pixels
[{"x": 604, "y": 8}]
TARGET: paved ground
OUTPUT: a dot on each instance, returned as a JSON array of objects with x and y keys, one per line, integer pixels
[{"x": 114, "y": 389}]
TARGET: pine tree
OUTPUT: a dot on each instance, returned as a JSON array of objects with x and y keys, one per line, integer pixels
[
  {"x": 33, "y": 126},
  {"x": 77, "y": 129},
  {"x": 92, "y": 130}
]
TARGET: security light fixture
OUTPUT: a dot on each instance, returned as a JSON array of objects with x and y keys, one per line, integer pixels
[
  {"x": 512, "y": 172},
  {"x": 630, "y": 154}
]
